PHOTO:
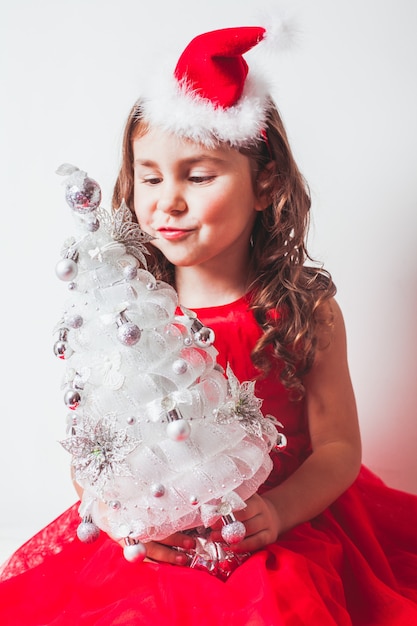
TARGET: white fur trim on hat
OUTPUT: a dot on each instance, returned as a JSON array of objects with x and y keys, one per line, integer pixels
[{"x": 175, "y": 109}]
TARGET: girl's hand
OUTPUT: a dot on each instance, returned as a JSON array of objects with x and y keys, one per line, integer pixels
[
  {"x": 166, "y": 550},
  {"x": 261, "y": 521}
]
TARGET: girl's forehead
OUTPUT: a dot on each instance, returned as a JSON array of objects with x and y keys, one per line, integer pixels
[{"x": 155, "y": 140}]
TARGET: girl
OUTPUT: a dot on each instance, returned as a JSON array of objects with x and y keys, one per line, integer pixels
[{"x": 207, "y": 170}]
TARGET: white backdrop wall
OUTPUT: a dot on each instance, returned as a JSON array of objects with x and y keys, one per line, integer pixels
[{"x": 70, "y": 71}]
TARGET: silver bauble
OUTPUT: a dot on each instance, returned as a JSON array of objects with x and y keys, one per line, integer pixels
[
  {"x": 66, "y": 269},
  {"x": 204, "y": 337},
  {"x": 157, "y": 490},
  {"x": 74, "y": 321},
  {"x": 62, "y": 350},
  {"x": 72, "y": 399},
  {"x": 93, "y": 226},
  {"x": 128, "y": 333},
  {"x": 233, "y": 532},
  {"x": 178, "y": 430},
  {"x": 134, "y": 551},
  {"x": 179, "y": 366},
  {"x": 88, "y": 532},
  {"x": 85, "y": 197},
  {"x": 281, "y": 441}
]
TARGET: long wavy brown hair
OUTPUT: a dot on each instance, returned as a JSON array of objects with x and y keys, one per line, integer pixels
[{"x": 288, "y": 288}]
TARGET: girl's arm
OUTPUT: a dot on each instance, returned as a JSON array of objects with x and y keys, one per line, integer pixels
[{"x": 336, "y": 447}]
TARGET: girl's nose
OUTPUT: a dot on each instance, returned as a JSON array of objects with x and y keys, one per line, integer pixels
[{"x": 171, "y": 201}]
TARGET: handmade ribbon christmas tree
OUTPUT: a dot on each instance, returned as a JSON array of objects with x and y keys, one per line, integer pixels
[{"x": 161, "y": 438}]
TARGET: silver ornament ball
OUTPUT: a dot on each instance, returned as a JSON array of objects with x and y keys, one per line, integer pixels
[
  {"x": 93, "y": 226},
  {"x": 66, "y": 269},
  {"x": 72, "y": 399},
  {"x": 62, "y": 350},
  {"x": 128, "y": 333},
  {"x": 178, "y": 430},
  {"x": 204, "y": 338},
  {"x": 179, "y": 366},
  {"x": 157, "y": 490},
  {"x": 85, "y": 198},
  {"x": 88, "y": 532},
  {"x": 281, "y": 442},
  {"x": 233, "y": 532},
  {"x": 134, "y": 551},
  {"x": 74, "y": 321}
]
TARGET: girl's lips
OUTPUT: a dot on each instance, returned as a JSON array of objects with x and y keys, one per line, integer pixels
[{"x": 173, "y": 233}]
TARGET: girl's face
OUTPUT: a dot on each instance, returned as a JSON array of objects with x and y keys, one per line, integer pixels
[{"x": 198, "y": 203}]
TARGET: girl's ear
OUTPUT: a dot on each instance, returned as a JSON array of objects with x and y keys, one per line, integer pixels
[{"x": 264, "y": 186}]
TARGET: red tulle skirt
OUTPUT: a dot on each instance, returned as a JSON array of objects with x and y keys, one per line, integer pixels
[{"x": 354, "y": 564}]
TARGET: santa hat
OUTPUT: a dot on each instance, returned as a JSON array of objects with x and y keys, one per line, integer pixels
[{"x": 212, "y": 96}]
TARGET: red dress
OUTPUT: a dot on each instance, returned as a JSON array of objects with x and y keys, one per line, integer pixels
[{"x": 356, "y": 563}]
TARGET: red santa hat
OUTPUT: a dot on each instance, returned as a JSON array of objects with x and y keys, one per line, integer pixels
[{"x": 212, "y": 96}]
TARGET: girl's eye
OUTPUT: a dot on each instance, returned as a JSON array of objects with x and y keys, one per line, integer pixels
[
  {"x": 152, "y": 181},
  {"x": 201, "y": 179}
]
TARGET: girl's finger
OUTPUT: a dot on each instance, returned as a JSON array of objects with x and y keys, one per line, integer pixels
[
  {"x": 165, "y": 554},
  {"x": 179, "y": 540}
]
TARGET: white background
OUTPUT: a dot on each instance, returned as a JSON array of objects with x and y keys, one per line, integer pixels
[{"x": 70, "y": 71}]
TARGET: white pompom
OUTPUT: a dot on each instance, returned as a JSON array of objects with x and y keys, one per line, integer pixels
[{"x": 282, "y": 30}]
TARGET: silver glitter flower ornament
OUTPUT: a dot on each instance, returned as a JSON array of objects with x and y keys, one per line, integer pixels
[
  {"x": 242, "y": 405},
  {"x": 124, "y": 230},
  {"x": 99, "y": 451}
]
